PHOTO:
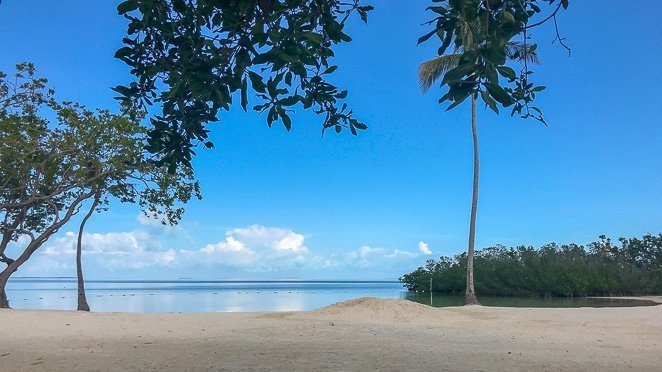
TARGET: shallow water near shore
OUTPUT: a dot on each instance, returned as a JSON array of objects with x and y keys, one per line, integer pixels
[
  {"x": 444, "y": 300},
  {"x": 172, "y": 296},
  {"x": 234, "y": 296}
]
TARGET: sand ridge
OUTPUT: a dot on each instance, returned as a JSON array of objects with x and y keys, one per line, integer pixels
[{"x": 374, "y": 310}]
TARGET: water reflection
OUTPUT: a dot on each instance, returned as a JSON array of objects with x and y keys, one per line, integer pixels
[
  {"x": 235, "y": 296},
  {"x": 444, "y": 300},
  {"x": 193, "y": 296}
]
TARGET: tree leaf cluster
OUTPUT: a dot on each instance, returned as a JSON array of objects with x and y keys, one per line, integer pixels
[
  {"x": 197, "y": 58},
  {"x": 489, "y": 35}
]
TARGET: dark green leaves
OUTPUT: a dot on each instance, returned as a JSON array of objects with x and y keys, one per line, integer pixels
[
  {"x": 256, "y": 82},
  {"x": 363, "y": 12},
  {"x": 330, "y": 70},
  {"x": 287, "y": 122},
  {"x": 196, "y": 58},
  {"x": 499, "y": 94},
  {"x": 127, "y": 6},
  {"x": 507, "y": 72},
  {"x": 427, "y": 36},
  {"x": 244, "y": 94},
  {"x": 489, "y": 36},
  {"x": 489, "y": 101}
]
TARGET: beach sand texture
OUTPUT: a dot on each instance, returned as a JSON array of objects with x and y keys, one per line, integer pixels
[{"x": 365, "y": 334}]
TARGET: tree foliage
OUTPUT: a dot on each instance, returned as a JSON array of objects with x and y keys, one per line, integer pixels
[
  {"x": 195, "y": 57},
  {"x": 484, "y": 33},
  {"x": 600, "y": 268},
  {"x": 48, "y": 170}
]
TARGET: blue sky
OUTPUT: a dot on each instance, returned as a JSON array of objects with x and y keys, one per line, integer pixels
[{"x": 294, "y": 205}]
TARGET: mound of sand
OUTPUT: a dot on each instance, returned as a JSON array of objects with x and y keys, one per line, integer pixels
[{"x": 377, "y": 310}]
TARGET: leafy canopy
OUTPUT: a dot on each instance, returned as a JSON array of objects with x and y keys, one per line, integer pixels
[
  {"x": 48, "y": 168},
  {"x": 194, "y": 56},
  {"x": 483, "y": 33}
]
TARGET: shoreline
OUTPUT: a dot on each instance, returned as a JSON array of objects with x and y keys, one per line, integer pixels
[
  {"x": 654, "y": 298},
  {"x": 360, "y": 334}
]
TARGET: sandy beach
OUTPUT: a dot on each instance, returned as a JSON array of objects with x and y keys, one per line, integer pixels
[{"x": 362, "y": 334}]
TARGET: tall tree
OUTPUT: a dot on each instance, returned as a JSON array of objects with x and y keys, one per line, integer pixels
[
  {"x": 482, "y": 33},
  {"x": 194, "y": 57},
  {"x": 50, "y": 169},
  {"x": 428, "y": 73}
]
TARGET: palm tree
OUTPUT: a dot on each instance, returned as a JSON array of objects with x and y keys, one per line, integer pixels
[{"x": 428, "y": 73}]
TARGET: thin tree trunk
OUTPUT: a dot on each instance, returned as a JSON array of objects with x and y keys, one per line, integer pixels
[
  {"x": 4, "y": 302},
  {"x": 82, "y": 299},
  {"x": 470, "y": 293}
]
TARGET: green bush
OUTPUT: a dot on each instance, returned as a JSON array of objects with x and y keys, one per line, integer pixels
[{"x": 601, "y": 268}]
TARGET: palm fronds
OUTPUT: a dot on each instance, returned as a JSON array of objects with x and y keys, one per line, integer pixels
[{"x": 430, "y": 71}]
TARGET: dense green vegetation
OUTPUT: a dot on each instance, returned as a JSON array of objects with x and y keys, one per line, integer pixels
[{"x": 601, "y": 268}]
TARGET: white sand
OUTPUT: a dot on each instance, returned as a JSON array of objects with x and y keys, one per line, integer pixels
[{"x": 362, "y": 334}]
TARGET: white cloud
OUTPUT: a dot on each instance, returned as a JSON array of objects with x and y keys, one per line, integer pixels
[
  {"x": 133, "y": 250},
  {"x": 167, "y": 257},
  {"x": 108, "y": 243},
  {"x": 271, "y": 238},
  {"x": 258, "y": 248},
  {"x": 230, "y": 244},
  {"x": 367, "y": 256},
  {"x": 366, "y": 251},
  {"x": 398, "y": 253},
  {"x": 424, "y": 248},
  {"x": 253, "y": 248}
]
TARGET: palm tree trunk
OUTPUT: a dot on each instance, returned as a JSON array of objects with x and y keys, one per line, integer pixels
[
  {"x": 82, "y": 299},
  {"x": 470, "y": 293}
]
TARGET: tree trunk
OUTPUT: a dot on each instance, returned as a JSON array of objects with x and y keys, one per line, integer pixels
[
  {"x": 34, "y": 245},
  {"x": 470, "y": 293},
  {"x": 82, "y": 299},
  {"x": 4, "y": 301},
  {"x": 4, "y": 278}
]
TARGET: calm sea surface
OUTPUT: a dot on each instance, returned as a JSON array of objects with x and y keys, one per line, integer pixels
[{"x": 223, "y": 296}]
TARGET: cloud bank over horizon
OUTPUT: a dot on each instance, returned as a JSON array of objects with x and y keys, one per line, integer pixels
[{"x": 250, "y": 252}]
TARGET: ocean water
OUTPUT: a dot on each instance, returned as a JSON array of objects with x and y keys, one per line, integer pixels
[
  {"x": 193, "y": 296},
  {"x": 172, "y": 296}
]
